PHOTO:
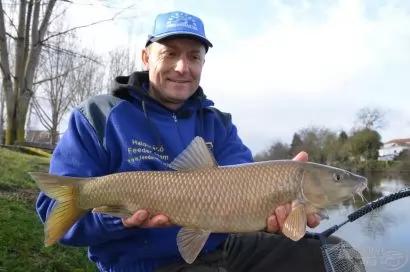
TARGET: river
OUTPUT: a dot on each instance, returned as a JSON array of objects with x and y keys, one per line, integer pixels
[{"x": 383, "y": 236}]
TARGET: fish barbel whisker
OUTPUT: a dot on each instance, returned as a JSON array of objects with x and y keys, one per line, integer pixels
[
  {"x": 359, "y": 191},
  {"x": 360, "y": 194}
]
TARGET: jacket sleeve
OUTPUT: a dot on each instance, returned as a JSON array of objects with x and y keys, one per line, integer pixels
[
  {"x": 79, "y": 153},
  {"x": 229, "y": 147}
]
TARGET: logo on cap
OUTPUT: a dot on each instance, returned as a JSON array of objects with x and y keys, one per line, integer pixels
[{"x": 180, "y": 19}]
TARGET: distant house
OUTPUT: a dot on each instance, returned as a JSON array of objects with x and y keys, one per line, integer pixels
[
  {"x": 392, "y": 148},
  {"x": 39, "y": 137}
]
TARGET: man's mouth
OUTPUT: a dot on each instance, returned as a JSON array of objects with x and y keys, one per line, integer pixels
[{"x": 178, "y": 81}]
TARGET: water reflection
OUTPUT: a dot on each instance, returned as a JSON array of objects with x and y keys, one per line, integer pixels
[{"x": 382, "y": 236}]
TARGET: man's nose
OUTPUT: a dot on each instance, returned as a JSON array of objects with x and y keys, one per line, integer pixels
[{"x": 182, "y": 65}]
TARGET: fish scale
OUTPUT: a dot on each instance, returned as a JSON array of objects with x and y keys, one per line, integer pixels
[
  {"x": 201, "y": 196},
  {"x": 223, "y": 199}
]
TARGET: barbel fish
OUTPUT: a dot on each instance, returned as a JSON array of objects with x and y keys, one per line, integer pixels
[{"x": 202, "y": 197}]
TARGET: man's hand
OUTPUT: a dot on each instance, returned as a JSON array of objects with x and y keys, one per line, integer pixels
[
  {"x": 276, "y": 221},
  {"x": 141, "y": 219}
]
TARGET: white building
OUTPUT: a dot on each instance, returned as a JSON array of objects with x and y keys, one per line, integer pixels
[{"x": 393, "y": 148}]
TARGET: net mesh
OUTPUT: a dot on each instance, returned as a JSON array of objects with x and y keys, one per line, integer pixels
[{"x": 342, "y": 257}]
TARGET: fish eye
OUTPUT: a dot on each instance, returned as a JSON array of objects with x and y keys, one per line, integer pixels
[{"x": 337, "y": 176}]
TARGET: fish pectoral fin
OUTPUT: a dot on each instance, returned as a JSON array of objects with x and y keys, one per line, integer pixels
[
  {"x": 117, "y": 211},
  {"x": 190, "y": 243},
  {"x": 295, "y": 224},
  {"x": 197, "y": 155}
]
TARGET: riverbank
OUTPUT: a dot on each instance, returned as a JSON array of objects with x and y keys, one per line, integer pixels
[
  {"x": 376, "y": 166},
  {"x": 21, "y": 232}
]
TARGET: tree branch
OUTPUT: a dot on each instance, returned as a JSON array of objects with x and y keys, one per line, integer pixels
[
  {"x": 19, "y": 49},
  {"x": 11, "y": 36},
  {"x": 87, "y": 25},
  {"x": 10, "y": 19},
  {"x": 41, "y": 114},
  {"x": 71, "y": 52},
  {"x": 5, "y": 62},
  {"x": 27, "y": 30},
  {"x": 61, "y": 13},
  {"x": 61, "y": 75},
  {"x": 37, "y": 35},
  {"x": 50, "y": 78},
  {"x": 46, "y": 20}
]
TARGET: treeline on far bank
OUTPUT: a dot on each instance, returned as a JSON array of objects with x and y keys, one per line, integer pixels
[{"x": 356, "y": 150}]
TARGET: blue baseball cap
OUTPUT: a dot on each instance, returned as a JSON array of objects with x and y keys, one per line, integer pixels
[{"x": 178, "y": 23}]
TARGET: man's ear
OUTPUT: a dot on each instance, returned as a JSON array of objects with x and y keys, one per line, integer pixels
[{"x": 145, "y": 58}]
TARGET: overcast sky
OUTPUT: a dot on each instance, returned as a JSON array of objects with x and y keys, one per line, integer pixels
[{"x": 278, "y": 66}]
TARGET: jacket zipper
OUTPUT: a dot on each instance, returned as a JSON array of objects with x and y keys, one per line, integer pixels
[{"x": 174, "y": 116}]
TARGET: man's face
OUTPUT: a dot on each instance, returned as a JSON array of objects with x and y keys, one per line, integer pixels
[{"x": 175, "y": 67}]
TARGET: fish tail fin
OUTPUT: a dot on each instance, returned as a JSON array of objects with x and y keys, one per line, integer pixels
[{"x": 66, "y": 212}]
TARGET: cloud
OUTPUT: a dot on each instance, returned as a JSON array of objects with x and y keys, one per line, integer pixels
[
  {"x": 302, "y": 71},
  {"x": 278, "y": 65}
]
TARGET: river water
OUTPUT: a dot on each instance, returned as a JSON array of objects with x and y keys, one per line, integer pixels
[{"x": 383, "y": 236}]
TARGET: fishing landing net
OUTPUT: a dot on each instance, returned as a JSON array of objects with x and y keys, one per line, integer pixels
[{"x": 342, "y": 257}]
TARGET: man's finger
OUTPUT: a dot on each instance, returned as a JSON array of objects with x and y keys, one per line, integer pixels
[
  {"x": 288, "y": 207},
  {"x": 301, "y": 156},
  {"x": 159, "y": 220},
  {"x": 156, "y": 222},
  {"x": 137, "y": 219},
  {"x": 273, "y": 225},
  {"x": 313, "y": 220},
  {"x": 281, "y": 215}
]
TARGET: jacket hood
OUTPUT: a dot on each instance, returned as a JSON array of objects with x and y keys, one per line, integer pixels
[{"x": 134, "y": 88}]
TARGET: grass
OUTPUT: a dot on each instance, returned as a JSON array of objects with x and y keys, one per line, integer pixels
[
  {"x": 14, "y": 167},
  {"x": 21, "y": 232}
]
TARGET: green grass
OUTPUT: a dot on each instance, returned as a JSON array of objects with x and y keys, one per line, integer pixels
[
  {"x": 14, "y": 167},
  {"x": 21, "y": 232}
]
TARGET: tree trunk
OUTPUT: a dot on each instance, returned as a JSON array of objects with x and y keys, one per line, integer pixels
[
  {"x": 10, "y": 109},
  {"x": 19, "y": 92}
]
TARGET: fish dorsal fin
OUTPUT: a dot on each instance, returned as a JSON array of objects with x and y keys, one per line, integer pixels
[{"x": 197, "y": 155}]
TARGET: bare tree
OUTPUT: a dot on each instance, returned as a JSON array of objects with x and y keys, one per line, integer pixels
[
  {"x": 28, "y": 35},
  {"x": 53, "y": 94},
  {"x": 18, "y": 86},
  {"x": 120, "y": 62},
  {"x": 87, "y": 79},
  {"x": 122, "y": 59},
  {"x": 371, "y": 118}
]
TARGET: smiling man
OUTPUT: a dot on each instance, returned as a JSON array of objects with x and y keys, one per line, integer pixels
[
  {"x": 149, "y": 119},
  {"x": 175, "y": 67}
]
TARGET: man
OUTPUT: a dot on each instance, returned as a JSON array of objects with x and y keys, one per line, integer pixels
[{"x": 149, "y": 119}]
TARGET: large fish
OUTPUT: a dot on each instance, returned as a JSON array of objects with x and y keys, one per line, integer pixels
[{"x": 201, "y": 196}]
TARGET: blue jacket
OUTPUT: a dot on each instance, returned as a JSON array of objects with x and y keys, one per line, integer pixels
[{"x": 127, "y": 130}]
